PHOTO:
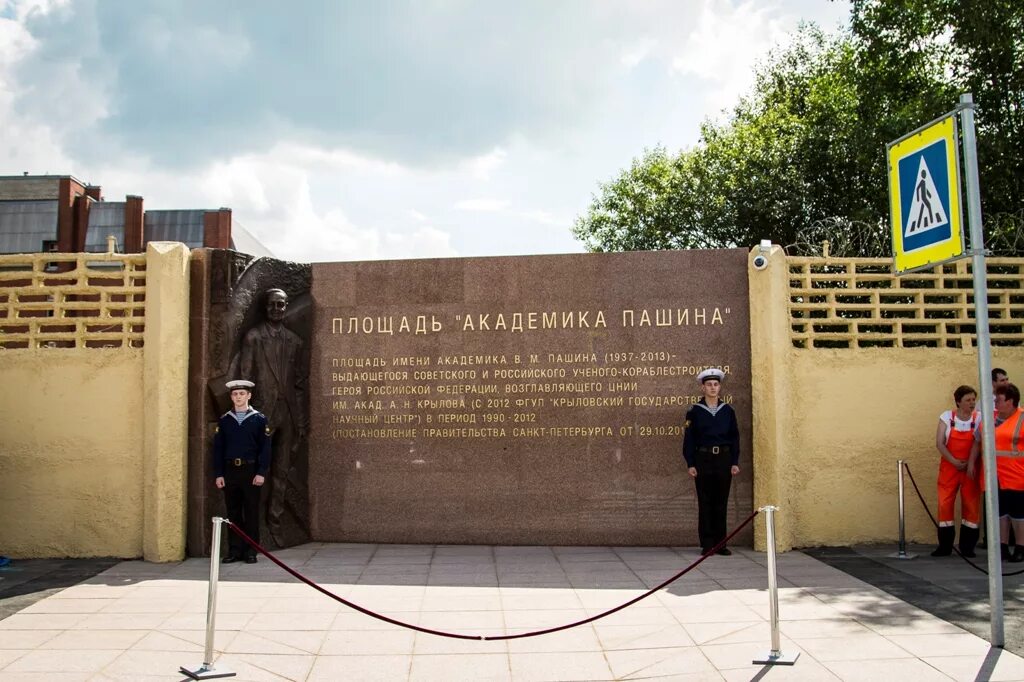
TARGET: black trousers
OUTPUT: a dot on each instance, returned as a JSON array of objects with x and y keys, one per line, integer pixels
[
  {"x": 714, "y": 477},
  {"x": 242, "y": 500}
]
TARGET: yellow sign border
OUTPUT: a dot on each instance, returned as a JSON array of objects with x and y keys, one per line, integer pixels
[{"x": 929, "y": 256}]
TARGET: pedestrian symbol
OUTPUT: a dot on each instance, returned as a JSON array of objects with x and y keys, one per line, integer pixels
[
  {"x": 926, "y": 210},
  {"x": 924, "y": 194}
]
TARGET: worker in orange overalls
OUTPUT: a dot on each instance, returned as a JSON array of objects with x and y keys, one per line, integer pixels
[
  {"x": 954, "y": 438},
  {"x": 1009, "y": 467}
]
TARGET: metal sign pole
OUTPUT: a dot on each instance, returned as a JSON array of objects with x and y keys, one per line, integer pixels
[
  {"x": 775, "y": 655},
  {"x": 995, "y": 570},
  {"x": 207, "y": 671}
]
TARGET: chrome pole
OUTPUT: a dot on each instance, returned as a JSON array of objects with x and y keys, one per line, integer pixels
[
  {"x": 775, "y": 656},
  {"x": 901, "y": 548},
  {"x": 207, "y": 671}
]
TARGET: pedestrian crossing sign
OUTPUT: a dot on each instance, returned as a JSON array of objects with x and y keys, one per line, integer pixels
[{"x": 924, "y": 196}]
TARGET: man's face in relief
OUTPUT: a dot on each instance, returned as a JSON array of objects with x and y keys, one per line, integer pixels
[{"x": 277, "y": 303}]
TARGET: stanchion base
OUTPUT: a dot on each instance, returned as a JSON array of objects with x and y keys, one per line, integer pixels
[
  {"x": 203, "y": 672},
  {"x": 901, "y": 555},
  {"x": 776, "y": 658}
]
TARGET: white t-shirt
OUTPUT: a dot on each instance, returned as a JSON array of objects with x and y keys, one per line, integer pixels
[{"x": 949, "y": 417}]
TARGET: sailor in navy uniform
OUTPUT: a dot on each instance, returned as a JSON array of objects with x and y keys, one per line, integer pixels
[
  {"x": 711, "y": 447},
  {"x": 241, "y": 462}
]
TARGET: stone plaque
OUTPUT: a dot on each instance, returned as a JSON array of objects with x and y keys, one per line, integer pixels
[{"x": 520, "y": 400}]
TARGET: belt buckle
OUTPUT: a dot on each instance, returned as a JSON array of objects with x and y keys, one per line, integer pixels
[
  {"x": 715, "y": 449},
  {"x": 237, "y": 461}
]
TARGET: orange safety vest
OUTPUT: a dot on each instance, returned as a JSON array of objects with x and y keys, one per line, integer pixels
[{"x": 1009, "y": 453}]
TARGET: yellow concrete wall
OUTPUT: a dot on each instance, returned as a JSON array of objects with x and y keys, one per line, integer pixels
[
  {"x": 71, "y": 452},
  {"x": 830, "y": 425},
  {"x": 165, "y": 379},
  {"x": 93, "y": 440}
]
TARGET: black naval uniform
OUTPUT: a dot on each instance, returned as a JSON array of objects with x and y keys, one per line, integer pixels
[
  {"x": 241, "y": 450},
  {"x": 711, "y": 444}
]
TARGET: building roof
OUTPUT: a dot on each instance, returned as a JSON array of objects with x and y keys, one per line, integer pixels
[{"x": 244, "y": 241}]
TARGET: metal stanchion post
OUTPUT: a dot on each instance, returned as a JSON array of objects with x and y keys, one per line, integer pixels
[
  {"x": 775, "y": 656},
  {"x": 901, "y": 549},
  {"x": 206, "y": 671}
]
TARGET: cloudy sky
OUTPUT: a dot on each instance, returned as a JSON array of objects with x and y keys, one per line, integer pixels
[{"x": 345, "y": 130}]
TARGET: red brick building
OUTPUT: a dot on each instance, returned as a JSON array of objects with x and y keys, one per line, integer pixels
[{"x": 61, "y": 213}]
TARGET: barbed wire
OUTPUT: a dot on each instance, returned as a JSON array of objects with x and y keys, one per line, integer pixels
[{"x": 841, "y": 237}]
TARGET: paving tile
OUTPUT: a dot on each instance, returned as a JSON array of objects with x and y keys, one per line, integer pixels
[
  {"x": 821, "y": 627},
  {"x": 556, "y": 667},
  {"x": 267, "y": 667},
  {"x": 523, "y": 619},
  {"x": 94, "y": 639},
  {"x": 949, "y": 644},
  {"x": 440, "y": 602},
  {"x": 368, "y": 642},
  {"x": 613, "y": 637},
  {"x": 360, "y": 668},
  {"x": 68, "y": 606},
  {"x": 193, "y": 641},
  {"x": 25, "y": 639},
  {"x": 492, "y": 622},
  {"x": 63, "y": 660},
  {"x": 996, "y": 666},
  {"x": 516, "y": 599},
  {"x": 653, "y": 614},
  {"x": 853, "y": 648},
  {"x": 42, "y": 621},
  {"x": 302, "y": 642},
  {"x": 805, "y": 670},
  {"x": 9, "y": 655},
  {"x": 889, "y": 669},
  {"x": 46, "y": 677},
  {"x": 461, "y": 667},
  {"x": 738, "y": 656},
  {"x": 353, "y": 620},
  {"x": 582, "y": 638},
  {"x": 288, "y": 621},
  {"x": 432, "y": 644},
  {"x": 653, "y": 663},
  {"x": 729, "y": 632}
]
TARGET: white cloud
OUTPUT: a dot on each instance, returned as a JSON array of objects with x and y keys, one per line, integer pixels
[
  {"x": 725, "y": 43},
  {"x": 483, "y": 167},
  {"x": 638, "y": 52},
  {"x": 451, "y": 128},
  {"x": 482, "y": 204}
]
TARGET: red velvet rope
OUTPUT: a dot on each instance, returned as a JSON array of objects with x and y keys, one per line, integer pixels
[
  {"x": 439, "y": 633},
  {"x": 936, "y": 524}
]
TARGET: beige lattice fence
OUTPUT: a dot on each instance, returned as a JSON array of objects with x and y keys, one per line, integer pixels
[
  {"x": 72, "y": 300},
  {"x": 860, "y": 303}
]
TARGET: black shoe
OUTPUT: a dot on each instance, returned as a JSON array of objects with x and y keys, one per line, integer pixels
[
  {"x": 1018, "y": 555},
  {"x": 251, "y": 559},
  {"x": 704, "y": 551},
  {"x": 725, "y": 551},
  {"x": 1004, "y": 552},
  {"x": 230, "y": 559}
]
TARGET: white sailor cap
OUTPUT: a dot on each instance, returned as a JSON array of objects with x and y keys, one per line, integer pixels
[
  {"x": 711, "y": 373},
  {"x": 239, "y": 383}
]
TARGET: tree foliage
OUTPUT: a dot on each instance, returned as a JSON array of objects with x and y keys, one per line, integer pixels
[{"x": 806, "y": 147}]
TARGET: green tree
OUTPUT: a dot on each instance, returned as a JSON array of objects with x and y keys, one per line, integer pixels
[{"x": 803, "y": 153}]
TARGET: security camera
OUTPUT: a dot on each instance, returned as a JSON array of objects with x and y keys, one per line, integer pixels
[{"x": 760, "y": 262}]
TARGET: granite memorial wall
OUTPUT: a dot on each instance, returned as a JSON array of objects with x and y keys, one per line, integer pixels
[{"x": 520, "y": 400}]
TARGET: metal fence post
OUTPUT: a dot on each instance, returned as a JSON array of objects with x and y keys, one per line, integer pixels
[
  {"x": 775, "y": 655},
  {"x": 207, "y": 671}
]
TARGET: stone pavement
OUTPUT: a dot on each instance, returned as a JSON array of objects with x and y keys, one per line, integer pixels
[{"x": 139, "y": 621}]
